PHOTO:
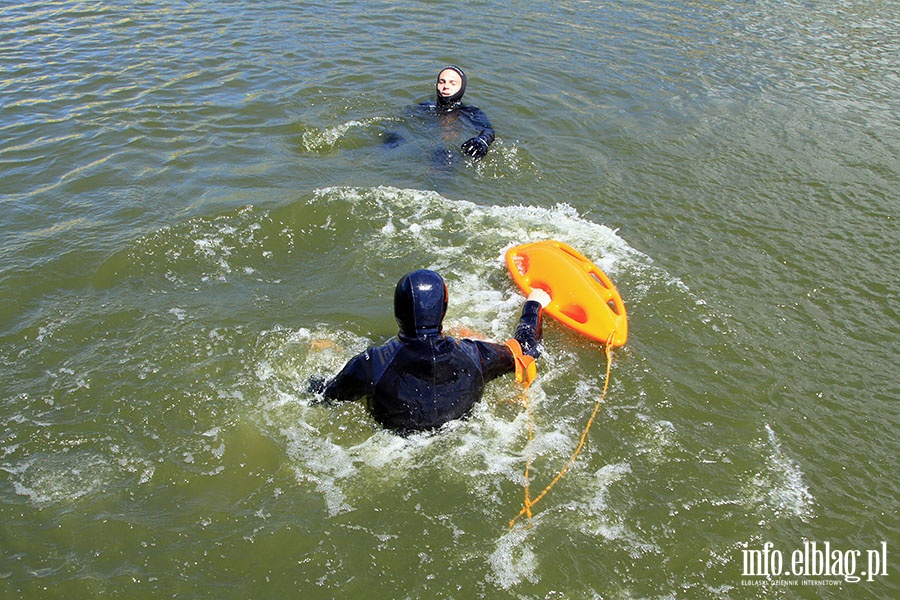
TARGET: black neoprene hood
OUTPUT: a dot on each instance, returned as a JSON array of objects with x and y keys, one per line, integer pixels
[
  {"x": 420, "y": 303},
  {"x": 456, "y": 98}
]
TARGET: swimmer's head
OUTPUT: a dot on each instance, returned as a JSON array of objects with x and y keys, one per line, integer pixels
[
  {"x": 451, "y": 85},
  {"x": 420, "y": 303}
]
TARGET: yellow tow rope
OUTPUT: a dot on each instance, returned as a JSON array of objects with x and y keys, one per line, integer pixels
[{"x": 523, "y": 398}]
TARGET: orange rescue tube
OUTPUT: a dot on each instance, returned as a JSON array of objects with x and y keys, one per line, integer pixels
[{"x": 582, "y": 296}]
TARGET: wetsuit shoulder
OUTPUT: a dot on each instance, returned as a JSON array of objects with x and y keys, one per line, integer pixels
[
  {"x": 359, "y": 376},
  {"x": 493, "y": 359}
]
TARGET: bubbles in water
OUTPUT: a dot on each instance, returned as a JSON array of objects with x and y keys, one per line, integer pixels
[
  {"x": 514, "y": 561},
  {"x": 781, "y": 484},
  {"x": 73, "y": 474}
]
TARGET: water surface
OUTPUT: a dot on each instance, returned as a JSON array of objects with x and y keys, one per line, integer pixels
[{"x": 197, "y": 214}]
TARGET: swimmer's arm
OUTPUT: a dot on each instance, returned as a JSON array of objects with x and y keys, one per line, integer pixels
[
  {"x": 348, "y": 385},
  {"x": 481, "y": 122},
  {"x": 498, "y": 359},
  {"x": 530, "y": 330},
  {"x": 477, "y": 146}
]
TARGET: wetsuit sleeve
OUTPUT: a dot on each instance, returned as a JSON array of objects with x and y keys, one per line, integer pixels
[
  {"x": 351, "y": 383},
  {"x": 497, "y": 359},
  {"x": 481, "y": 122},
  {"x": 530, "y": 330},
  {"x": 477, "y": 146}
]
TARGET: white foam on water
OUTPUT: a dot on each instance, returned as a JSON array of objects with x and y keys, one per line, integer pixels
[
  {"x": 659, "y": 441},
  {"x": 514, "y": 561},
  {"x": 290, "y": 358},
  {"x": 66, "y": 476},
  {"x": 46, "y": 331},
  {"x": 506, "y": 158},
  {"x": 781, "y": 486},
  {"x": 340, "y": 451},
  {"x": 598, "y": 520},
  {"x": 324, "y": 464},
  {"x": 515, "y": 558},
  {"x": 324, "y": 139},
  {"x": 200, "y": 250},
  {"x": 426, "y": 212}
]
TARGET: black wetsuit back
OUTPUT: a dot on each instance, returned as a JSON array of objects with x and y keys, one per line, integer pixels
[{"x": 413, "y": 384}]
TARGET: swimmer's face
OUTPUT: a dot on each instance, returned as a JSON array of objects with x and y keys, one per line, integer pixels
[{"x": 448, "y": 83}]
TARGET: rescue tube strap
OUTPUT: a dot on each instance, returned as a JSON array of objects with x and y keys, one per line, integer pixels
[{"x": 526, "y": 368}]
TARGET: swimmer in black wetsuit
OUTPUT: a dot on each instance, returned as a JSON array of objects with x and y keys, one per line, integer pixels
[
  {"x": 421, "y": 379},
  {"x": 450, "y": 88},
  {"x": 451, "y": 85}
]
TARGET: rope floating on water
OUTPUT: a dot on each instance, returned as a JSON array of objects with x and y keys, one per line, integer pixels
[{"x": 529, "y": 503}]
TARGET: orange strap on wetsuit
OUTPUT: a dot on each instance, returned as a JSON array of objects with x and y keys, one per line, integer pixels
[{"x": 526, "y": 369}]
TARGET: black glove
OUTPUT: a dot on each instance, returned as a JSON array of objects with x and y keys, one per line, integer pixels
[
  {"x": 316, "y": 385},
  {"x": 475, "y": 147}
]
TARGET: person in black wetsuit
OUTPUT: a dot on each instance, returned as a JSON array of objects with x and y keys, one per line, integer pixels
[
  {"x": 421, "y": 379},
  {"x": 451, "y": 86},
  {"x": 449, "y": 109}
]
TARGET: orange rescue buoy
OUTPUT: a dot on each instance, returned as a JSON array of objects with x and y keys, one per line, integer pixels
[{"x": 582, "y": 296}]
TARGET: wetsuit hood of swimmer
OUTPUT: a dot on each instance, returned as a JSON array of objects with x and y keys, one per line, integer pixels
[
  {"x": 455, "y": 100},
  {"x": 420, "y": 303}
]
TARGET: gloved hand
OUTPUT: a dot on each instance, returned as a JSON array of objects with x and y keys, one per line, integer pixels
[
  {"x": 475, "y": 147},
  {"x": 316, "y": 384},
  {"x": 539, "y": 295}
]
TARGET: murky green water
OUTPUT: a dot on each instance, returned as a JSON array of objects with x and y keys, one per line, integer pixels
[{"x": 195, "y": 193}]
